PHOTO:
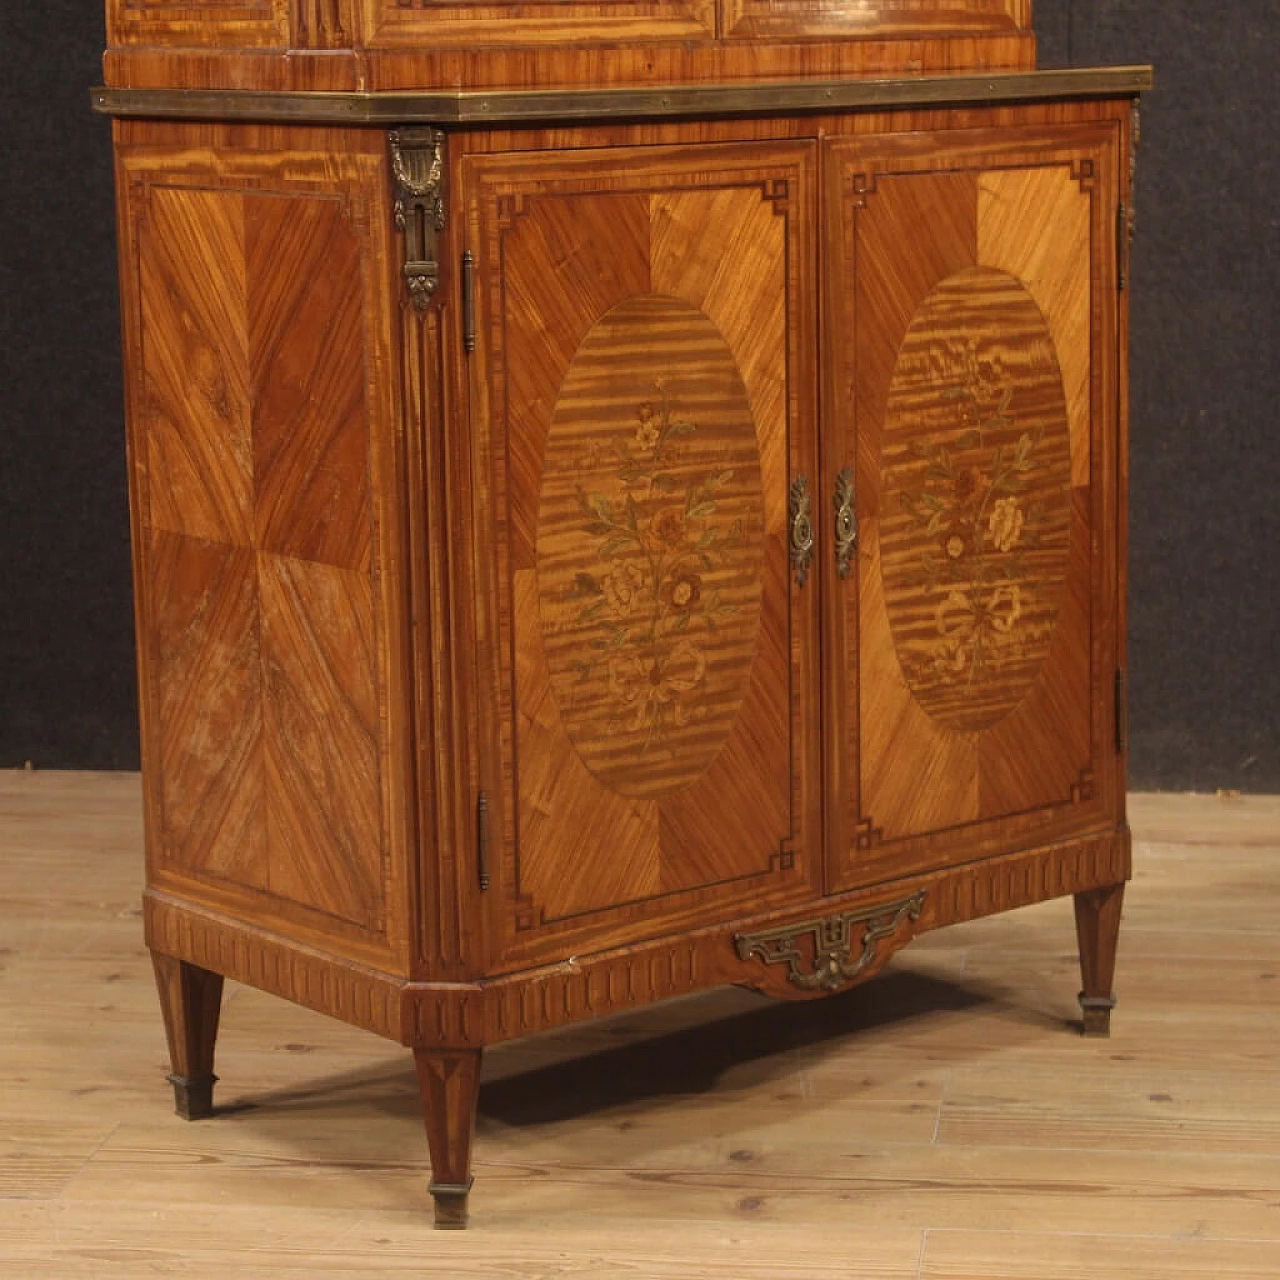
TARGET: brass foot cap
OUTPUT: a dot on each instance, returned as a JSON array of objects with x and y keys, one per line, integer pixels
[
  {"x": 193, "y": 1096},
  {"x": 1096, "y": 1015},
  {"x": 451, "y": 1205}
]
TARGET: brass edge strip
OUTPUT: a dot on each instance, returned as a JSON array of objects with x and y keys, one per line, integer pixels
[{"x": 526, "y": 106}]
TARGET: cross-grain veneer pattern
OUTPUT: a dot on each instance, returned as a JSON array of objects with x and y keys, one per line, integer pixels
[{"x": 273, "y": 642}]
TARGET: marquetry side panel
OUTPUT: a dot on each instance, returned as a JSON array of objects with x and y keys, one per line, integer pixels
[
  {"x": 973, "y": 297},
  {"x": 641, "y": 415},
  {"x": 265, "y": 449}
]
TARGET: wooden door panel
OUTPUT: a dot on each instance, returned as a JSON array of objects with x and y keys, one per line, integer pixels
[
  {"x": 450, "y": 23},
  {"x": 916, "y": 18},
  {"x": 228, "y": 23},
  {"x": 972, "y": 298},
  {"x": 643, "y": 415}
]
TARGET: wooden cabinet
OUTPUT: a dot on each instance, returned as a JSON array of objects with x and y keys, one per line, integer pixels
[{"x": 592, "y": 547}]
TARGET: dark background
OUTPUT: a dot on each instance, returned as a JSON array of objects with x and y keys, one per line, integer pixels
[{"x": 1205, "y": 673}]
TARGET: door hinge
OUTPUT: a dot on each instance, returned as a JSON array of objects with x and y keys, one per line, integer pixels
[
  {"x": 1122, "y": 710},
  {"x": 482, "y": 839},
  {"x": 1122, "y": 247},
  {"x": 417, "y": 166},
  {"x": 468, "y": 302}
]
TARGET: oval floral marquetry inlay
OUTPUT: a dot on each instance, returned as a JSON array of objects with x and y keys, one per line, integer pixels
[
  {"x": 649, "y": 552},
  {"x": 975, "y": 523}
]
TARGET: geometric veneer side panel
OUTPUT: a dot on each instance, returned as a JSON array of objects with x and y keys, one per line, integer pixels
[
  {"x": 321, "y": 722},
  {"x": 266, "y": 491},
  {"x": 307, "y": 381},
  {"x": 206, "y": 664}
]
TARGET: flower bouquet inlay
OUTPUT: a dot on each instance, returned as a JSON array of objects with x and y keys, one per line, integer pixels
[
  {"x": 649, "y": 589},
  {"x": 976, "y": 498}
]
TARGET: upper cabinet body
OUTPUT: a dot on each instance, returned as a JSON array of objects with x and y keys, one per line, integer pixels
[{"x": 474, "y": 44}]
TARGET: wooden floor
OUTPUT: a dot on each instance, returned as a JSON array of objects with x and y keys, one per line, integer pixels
[{"x": 944, "y": 1122}]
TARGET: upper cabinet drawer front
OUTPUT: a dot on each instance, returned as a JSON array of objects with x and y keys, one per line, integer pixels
[
  {"x": 431, "y": 23},
  {"x": 231, "y": 24},
  {"x": 874, "y": 18}
]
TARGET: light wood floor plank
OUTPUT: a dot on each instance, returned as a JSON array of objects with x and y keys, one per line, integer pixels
[
  {"x": 943, "y": 1123},
  {"x": 971, "y": 1255},
  {"x": 59, "y": 1240}
]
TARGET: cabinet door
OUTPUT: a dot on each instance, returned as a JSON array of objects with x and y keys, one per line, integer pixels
[
  {"x": 643, "y": 402},
  {"x": 972, "y": 295}
]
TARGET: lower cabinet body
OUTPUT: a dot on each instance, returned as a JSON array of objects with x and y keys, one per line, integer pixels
[
  {"x": 842, "y": 941},
  {"x": 710, "y": 571}
]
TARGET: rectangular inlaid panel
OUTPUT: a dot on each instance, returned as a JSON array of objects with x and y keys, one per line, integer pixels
[
  {"x": 437, "y": 23},
  {"x": 227, "y": 23},
  {"x": 642, "y": 323},
  {"x": 974, "y": 300},
  {"x": 264, "y": 619},
  {"x": 839, "y": 18}
]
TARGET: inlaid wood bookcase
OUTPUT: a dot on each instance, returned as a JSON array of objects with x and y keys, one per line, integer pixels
[{"x": 628, "y": 495}]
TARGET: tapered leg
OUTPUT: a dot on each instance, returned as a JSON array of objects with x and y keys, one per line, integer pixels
[
  {"x": 450, "y": 1084},
  {"x": 190, "y": 999},
  {"x": 1098, "y": 930}
]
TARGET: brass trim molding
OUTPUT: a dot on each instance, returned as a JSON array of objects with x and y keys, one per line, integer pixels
[{"x": 524, "y": 106}]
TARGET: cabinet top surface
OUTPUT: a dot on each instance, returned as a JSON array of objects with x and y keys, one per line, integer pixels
[{"x": 670, "y": 101}]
